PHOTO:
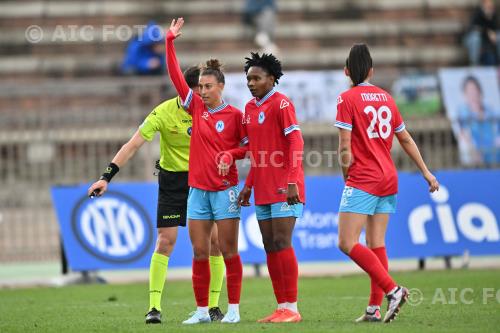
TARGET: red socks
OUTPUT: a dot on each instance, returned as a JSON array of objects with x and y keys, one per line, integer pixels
[
  {"x": 371, "y": 264},
  {"x": 290, "y": 270},
  {"x": 234, "y": 275},
  {"x": 376, "y": 293},
  {"x": 284, "y": 272},
  {"x": 276, "y": 275},
  {"x": 201, "y": 281}
]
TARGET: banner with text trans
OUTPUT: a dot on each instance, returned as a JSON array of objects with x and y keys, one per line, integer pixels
[{"x": 117, "y": 231}]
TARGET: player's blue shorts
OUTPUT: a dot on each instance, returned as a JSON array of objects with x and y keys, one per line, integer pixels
[
  {"x": 213, "y": 205},
  {"x": 358, "y": 201},
  {"x": 279, "y": 209}
]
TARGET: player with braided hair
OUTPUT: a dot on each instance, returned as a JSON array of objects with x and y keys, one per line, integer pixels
[{"x": 276, "y": 150}]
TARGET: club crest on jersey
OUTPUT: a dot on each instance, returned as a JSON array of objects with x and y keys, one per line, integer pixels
[
  {"x": 262, "y": 117},
  {"x": 189, "y": 131},
  {"x": 283, "y": 104},
  {"x": 205, "y": 115},
  {"x": 219, "y": 126}
]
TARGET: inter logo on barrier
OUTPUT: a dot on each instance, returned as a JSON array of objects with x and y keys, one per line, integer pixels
[{"x": 113, "y": 228}]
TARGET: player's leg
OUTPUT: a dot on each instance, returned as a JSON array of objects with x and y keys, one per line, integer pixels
[
  {"x": 217, "y": 269},
  {"x": 228, "y": 242},
  {"x": 355, "y": 206},
  {"x": 273, "y": 264},
  {"x": 283, "y": 223},
  {"x": 376, "y": 227},
  {"x": 200, "y": 221},
  {"x": 165, "y": 243},
  {"x": 227, "y": 216},
  {"x": 376, "y": 236}
]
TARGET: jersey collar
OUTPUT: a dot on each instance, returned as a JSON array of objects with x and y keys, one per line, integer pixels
[
  {"x": 365, "y": 84},
  {"x": 265, "y": 98},
  {"x": 219, "y": 108}
]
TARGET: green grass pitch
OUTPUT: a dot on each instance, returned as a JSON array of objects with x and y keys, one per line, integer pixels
[{"x": 453, "y": 301}]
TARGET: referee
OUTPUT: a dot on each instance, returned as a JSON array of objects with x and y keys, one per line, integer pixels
[{"x": 174, "y": 125}]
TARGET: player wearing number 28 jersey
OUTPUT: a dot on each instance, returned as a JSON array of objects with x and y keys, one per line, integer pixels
[
  {"x": 368, "y": 120},
  {"x": 359, "y": 110}
]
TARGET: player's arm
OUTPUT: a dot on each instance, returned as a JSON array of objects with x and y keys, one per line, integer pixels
[
  {"x": 345, "y": 151},
  {"x": 174, "y": 70},
  {"x": 228, "y": 157},
  {"x": 411, "y": 149},
  {"x": 246, "y": 192},
  {"x": 294, "y": 160},
  {"x": 121, "y": 158}
]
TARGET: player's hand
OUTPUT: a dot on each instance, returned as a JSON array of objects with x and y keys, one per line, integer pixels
[
  {"x": 225, "y": 162},
  {"x": 175, "y": 27},
  {"x": 292, "y": 194},
  {"x": 244, "y": 196},
  {"x": 432, "y": 181},
  {"x": 98, "y": 188}
]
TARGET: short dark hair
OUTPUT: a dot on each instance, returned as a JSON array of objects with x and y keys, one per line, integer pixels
[
  {"x": 359, "y": 63},
  {"x": 213, "y": 67},
  {"x": 192, "y": 76},
  {"x": 268, "y": 62},
  {"x": 474, "y": 81}
]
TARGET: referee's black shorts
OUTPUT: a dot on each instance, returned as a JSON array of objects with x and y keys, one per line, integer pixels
[{"x": 173, "y": 191}]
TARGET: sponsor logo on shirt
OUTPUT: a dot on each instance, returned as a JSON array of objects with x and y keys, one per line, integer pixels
[
  {"x": 219, "y": 126},
  {"x": 262, "y": 117},
  {"x": 283, "y": 104},
  {"x": 205, "y": 115},
  {"x": 339, "y": 99},
  {"x": 282, "y": 190},
  {"x": 189, "y": 131}
]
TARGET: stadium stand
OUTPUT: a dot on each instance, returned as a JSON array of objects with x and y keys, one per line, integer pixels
[{"x": 76, "y": 112}]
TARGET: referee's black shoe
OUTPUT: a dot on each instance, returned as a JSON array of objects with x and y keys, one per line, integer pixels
[
  {"x": 215, "y": 314},
  {"x": 153, "y": 317}
]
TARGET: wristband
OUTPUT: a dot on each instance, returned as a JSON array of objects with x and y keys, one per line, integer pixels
[{"x": 110, "y": 172}]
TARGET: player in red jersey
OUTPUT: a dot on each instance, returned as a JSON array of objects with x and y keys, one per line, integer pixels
[
  {"x": 217, "y": 126},
  {"x": 368, "y": 119},
  {"x": 276, "y": 150}
]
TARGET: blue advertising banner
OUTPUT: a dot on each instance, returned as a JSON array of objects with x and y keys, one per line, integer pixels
[{"x": 118, "y": 230}]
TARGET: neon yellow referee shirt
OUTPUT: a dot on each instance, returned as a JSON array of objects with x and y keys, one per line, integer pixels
[{"x": 174, "y": 125}]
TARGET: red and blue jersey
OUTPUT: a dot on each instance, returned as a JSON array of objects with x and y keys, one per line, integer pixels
[
  {"x": 271, "y": 123},
  {"x": 372, "y": 116},
  {"x": 214, "y": 130}
]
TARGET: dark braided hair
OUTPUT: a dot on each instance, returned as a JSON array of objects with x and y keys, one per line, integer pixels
[
  {"x": 213, "y": 67},
  {"x": 267, "y": 62}
]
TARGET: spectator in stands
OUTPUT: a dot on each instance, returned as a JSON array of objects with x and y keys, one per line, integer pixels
[
  {"x": 260, "y": 17},
  {"x": 479, "y": 124},
  {"x": 483, "y": 38},
  {"x": 145, "y": 54}
]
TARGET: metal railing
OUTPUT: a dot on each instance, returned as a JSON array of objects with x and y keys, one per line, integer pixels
[{"x": 59, "y": 132}]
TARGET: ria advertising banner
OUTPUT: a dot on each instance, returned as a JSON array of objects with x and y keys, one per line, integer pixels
[{"x": 118, "y": 230}]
